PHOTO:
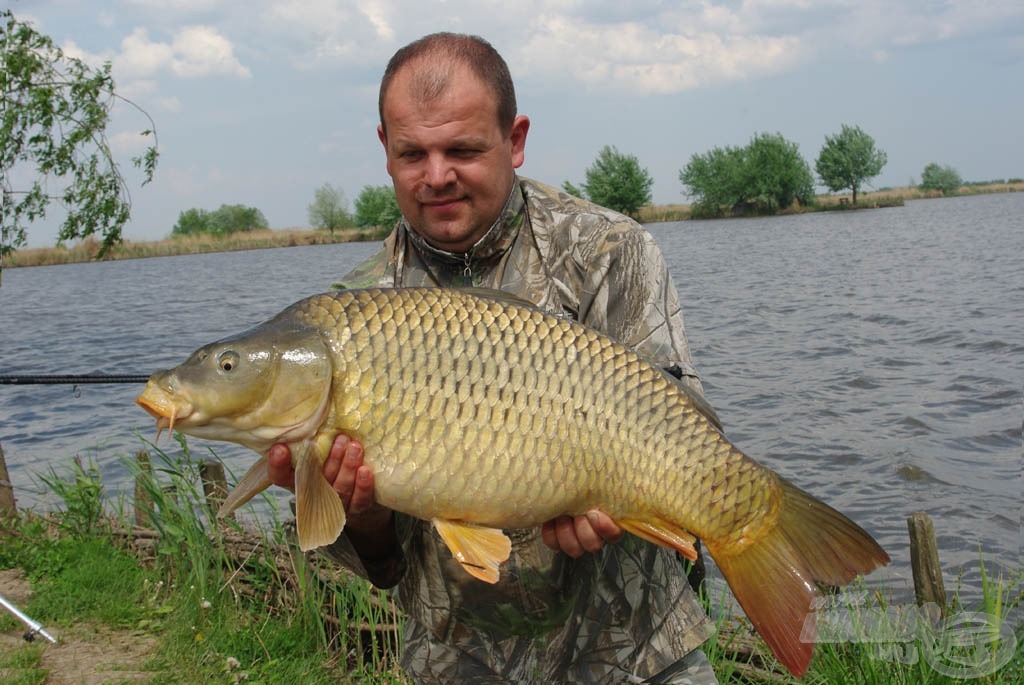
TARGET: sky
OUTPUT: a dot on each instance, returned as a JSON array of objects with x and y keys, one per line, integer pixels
[{"x": 260, "y": 103}]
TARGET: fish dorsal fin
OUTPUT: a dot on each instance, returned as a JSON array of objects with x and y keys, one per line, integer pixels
[
  {"x": 319, "y": 514},
  {"x": 480, "y": 550},
  {"x": 664, "y": 534},
  {"x": 252, "y": 483}
]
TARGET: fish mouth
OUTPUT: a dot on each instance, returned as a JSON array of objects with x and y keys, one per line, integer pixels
[{"x": 161, "y": 405}]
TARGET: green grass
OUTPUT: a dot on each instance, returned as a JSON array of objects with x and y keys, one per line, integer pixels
[
  {"x": 21, "y": 666},
  {"x": 220, "y": 603}
]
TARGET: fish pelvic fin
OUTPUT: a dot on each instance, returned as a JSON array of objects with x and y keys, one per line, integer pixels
[
  {"x": 319, "y": 513},
  {"x": 662, "y": 533},
  {"x": 478, "y": 549},
  {"x": 252, "y": 483},
  {"x": 775, "y": 577}
]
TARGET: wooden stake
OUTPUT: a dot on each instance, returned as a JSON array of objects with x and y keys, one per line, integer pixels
[
  {"x": 924, "y": 561},
  {"x": 215, "y": 485},
  {"x": 7, "y": 504},
  {"x": 143, "y": 500}
]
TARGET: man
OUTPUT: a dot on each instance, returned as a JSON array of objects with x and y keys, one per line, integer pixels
[{"x": 568, "y": 607}]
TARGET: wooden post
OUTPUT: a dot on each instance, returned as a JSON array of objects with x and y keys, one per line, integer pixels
[
  {"x": 215, "y": 485},
  {"x": 924, "y": 561},
  {"x": 143, "y": 500},
  {"x": 7, "y": 504}
]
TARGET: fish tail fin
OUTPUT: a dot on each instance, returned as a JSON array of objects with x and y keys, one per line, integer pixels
[
  {"x": 775, "y": 578},
  {"x": 252, "y": 483},
  {"x": 319, "y": 514}
]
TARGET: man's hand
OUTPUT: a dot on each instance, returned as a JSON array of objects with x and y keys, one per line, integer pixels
[
  {"x": 344, "y": 469},
  {"x": 576, "y": 535}
]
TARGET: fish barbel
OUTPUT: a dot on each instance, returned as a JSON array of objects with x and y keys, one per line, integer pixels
[{"x": 479, "y": 412}]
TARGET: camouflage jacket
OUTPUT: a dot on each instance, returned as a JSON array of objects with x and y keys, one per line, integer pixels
[{"x": 621, "y": 615}]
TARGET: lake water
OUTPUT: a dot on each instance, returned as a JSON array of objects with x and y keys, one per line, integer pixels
[{"x": 876, "y": 358}]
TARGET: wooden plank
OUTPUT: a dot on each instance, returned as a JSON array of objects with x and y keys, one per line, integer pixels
[
  {"x": 143, "y": 500},
  {"x": 8, "y": 506},
  {"x": 215, "y": 485},
  {"x": 924, "y": 561}
]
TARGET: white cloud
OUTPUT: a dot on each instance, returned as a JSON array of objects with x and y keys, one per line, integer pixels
[
  {"x": 139, "y": 56},
  {"x": 201, "y": 51},
  {"x": 334, "y": 31},
  {"x": 640, "y": 59},
  {"x": 194, "y": 51}
]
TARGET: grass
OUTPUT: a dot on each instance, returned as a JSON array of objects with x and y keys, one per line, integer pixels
[
  {"x": 86, "y": 250},
  {"x": 221, "y": 604}
]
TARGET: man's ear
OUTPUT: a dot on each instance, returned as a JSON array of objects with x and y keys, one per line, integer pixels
[
  {"x": 383, "y": 138},
  {"x": 520, "y": 127}
]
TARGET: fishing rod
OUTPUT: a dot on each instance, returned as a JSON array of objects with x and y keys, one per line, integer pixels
[
  {"x": 34, "y": 627},
  {"x": 69, "y": 379}
]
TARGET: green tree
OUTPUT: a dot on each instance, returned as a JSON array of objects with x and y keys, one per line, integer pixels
[
  {"x": 616, "y": 181},
  {"x": 228, "y": 219},
  {"x": 377, "y": 206},
  {"x": 942, "y": 178},
  {"x": 774, "y": 173},
  {"x": 224, "y": 221},
  {"x": 849, "y": 159},
  {"x": 53, "y": 120},
  {"x": 329, "y": 210},
  {"x": 716, "y": 180},
  {"x": 572, "y": 189},
  {"x": 192, "y": 222}
]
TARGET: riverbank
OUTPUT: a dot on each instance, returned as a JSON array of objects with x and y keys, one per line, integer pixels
[{"x": 87, "y": 250}]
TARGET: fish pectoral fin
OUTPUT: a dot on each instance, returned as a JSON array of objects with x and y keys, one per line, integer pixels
[
  {"x": 319, "y": 514},
  {"x": 662, "y": 533},
  {"x": 480, "y": 550},
  {"x": 253, "y": 483}
]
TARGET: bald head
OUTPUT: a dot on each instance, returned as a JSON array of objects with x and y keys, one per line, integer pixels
[{"x": 432, "y": 62}]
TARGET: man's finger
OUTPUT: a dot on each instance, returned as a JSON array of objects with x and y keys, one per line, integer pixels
[{"x": 279, "y": 467}]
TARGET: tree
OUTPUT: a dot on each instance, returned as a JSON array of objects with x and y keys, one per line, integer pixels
[
  {"x": 942, "y": 178},
  {"x": 192, "y": 222},
  {"x": 848, "y": 159},
  {"x": 55, "y": 112},
  {"x": 224, "y": 221},
  {"x": 716, "y": 179},
  {"x": 616, "y": 181},
  {"x": 329, "y": 210},
  {"x": 377, "y": 206},
  {"x": 230, "y": 219},
  {"x": 572, "y": 189},
  {"x": 775, "y": 173}
]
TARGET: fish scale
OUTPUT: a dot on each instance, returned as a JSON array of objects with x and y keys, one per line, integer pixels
[{"x": 481, "y": 414}]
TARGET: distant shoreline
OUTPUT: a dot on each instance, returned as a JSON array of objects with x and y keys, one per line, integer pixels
[{"x": 86, "y": 250}]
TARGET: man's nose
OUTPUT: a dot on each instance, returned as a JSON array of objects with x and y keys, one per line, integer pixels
[{"x": 440, "y": 172}]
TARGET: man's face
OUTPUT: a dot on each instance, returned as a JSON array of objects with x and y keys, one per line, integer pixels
[{"x": 451, "y": 163}]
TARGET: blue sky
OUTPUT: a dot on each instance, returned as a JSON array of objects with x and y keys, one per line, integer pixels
[{"x": 260, "y": 103}]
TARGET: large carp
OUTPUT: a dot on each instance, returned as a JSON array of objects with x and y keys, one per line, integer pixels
[{"x": 480, "y": 413}]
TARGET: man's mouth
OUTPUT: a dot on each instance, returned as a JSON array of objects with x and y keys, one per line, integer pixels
[{"x": 442, "y": 203}]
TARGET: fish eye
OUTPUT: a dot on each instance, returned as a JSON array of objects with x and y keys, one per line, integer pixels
[{"x": 228, "y": 361}]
